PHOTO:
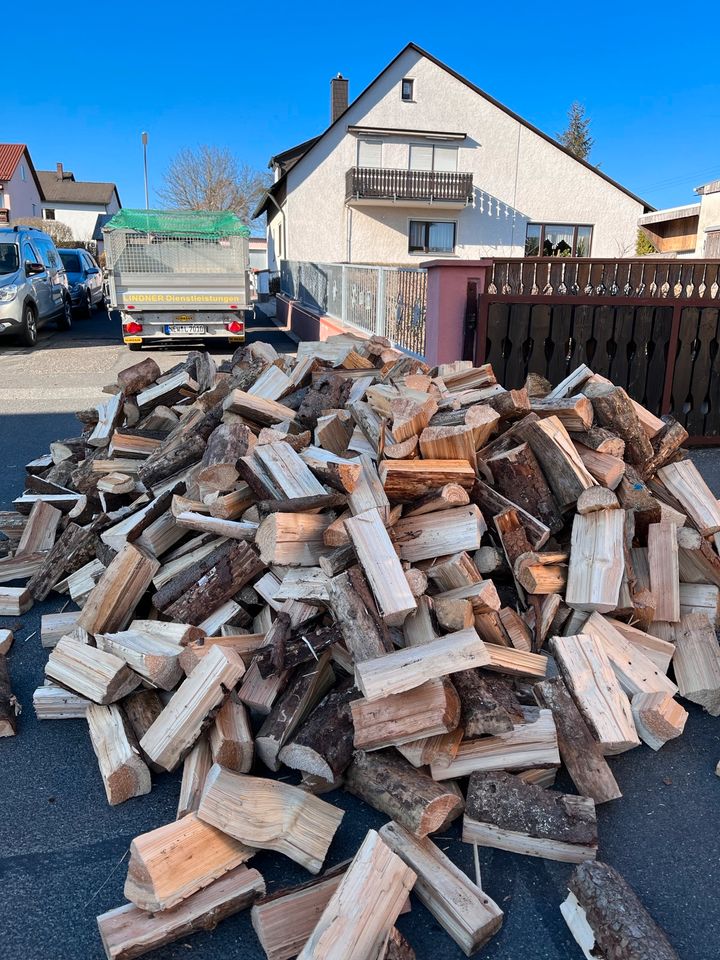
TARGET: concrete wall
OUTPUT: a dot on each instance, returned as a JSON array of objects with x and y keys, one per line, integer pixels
[
  {"x": 518, "y": 178},
  {"x": 20, "y": 196},
  {"x": 81, "y": 217}
]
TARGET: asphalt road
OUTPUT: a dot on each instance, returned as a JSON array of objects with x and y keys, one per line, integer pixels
[{"x": 62, "y": 848}]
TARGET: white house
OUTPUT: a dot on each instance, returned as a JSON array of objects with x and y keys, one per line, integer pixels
[
  {"x": 692, "y": 230},
  {"x": 20, "y": 192},
  {"x": 75, "y": 202},
  {"x": 425, "y": 164}
]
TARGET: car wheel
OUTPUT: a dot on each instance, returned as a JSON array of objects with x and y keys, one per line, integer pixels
[
  {"x": 87, "y": 305},
  {"x": 65, "y": 320},
  {"x": 28, "y": 331}
]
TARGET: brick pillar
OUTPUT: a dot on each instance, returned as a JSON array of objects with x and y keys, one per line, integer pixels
[{"x": 446, "y": 303}]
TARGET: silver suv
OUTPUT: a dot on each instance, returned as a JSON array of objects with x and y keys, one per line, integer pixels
[{"x": 33, "y": 284}]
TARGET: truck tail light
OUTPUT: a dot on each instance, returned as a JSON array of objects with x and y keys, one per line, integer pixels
[
  {"x": 132, "y": 327},
  {"x": 235, "y": 326}
]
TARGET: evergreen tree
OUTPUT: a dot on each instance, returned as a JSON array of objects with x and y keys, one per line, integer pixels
[
  {"x": 576, "y": 138},
  {"x": 644, "y": 245}
]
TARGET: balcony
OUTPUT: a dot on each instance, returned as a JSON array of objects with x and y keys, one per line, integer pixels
[{"x": 380, "y": 186}]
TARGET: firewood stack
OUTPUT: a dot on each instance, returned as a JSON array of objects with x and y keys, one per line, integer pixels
[{"x": 410, "y": 583}]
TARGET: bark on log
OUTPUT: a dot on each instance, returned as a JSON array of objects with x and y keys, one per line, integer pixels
[
  {"x": 518, "y": 475},
  {"x": 75, "y": 547},
  {"x": 323, "y": 746},
  {"x": 390, "y": 784},
  {"x": 488, "y": 704},
  {"x": 9, "y": 706},
  {"x": 365, "y": 633}
]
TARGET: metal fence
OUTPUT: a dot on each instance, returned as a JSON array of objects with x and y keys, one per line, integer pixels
[{"x": 388, "y": 301}]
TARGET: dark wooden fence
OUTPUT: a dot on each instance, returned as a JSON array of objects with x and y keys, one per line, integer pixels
[
  {"x": 650, "y": 325},
  {"x": 391, "y": 184}
]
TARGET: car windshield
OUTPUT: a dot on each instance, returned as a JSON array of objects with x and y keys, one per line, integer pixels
[
  {"x": 71, "y": 262},
  {"x": 9, "y": 262}
]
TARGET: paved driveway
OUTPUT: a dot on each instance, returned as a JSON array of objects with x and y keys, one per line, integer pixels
[{"x": 62, "y": 848}]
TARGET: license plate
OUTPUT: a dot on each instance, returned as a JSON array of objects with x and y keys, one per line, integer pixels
[{"x": 189, "y": 329}]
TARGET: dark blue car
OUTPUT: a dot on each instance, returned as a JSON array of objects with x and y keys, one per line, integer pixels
[{"x": 85, "y": 281}]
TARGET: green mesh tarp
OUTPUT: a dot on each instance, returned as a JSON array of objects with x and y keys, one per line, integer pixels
[{"x": 200, "y": 223}]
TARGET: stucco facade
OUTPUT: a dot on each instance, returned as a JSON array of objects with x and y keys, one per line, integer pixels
[
  {"x": 81, "y": 217},
  {"x": 20, "y": 195},
  {"x": 519, "y": 177}
]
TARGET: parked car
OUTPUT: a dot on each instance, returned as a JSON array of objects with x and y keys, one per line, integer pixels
[
  {"x": 85, "y": 280},
  {"x": 33, "y": 284}
]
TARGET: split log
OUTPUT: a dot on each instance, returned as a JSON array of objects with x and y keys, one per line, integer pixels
[
  {"x": 664, "y": 570},
  {"x": 517, "y": 474},
  {"x": 565, "y": 472},
  {"x": 589, "y": 676},
  {"x": 323, "y": 744},
  {"x": 515, "y": 663},
  {"x": 292, "y": 539},
  {"x": 575, "y": 413},
  {"x": 410, "y": 667},
  {"x": 701, "y": 598},
  {"x": 666, "y": 445},
  {"x": 128, "y": 932},
  {"x": 288, "y": 471},
  {"x": 142, "y": 708},
  {"x": 9, "y": 705},
  {"x": 230, "y": 736},
  {"x": 487, "y": 704},
  {"x": 528, "y": 745},
  {"x": 596, "y": 498},
  {"x": 596, "y": 561},
  {"x": 541, "y": 573},
  {"x": 658, "y": 651},
  {"x": 235, "y": 564},
  {"x": 608, "y": 920},
  {"x": 169, "y": 864},
  {"x": 493, "y": 503},
  {"x": 99, "y": 676},
  {"x": 357, "y": 920},
  {"x": 52, "y": 702},
  {"x": 336, "y": 471},
  {"x": 154, "y": 659},
  {"x": 269, "y": 815},
  {"x": 685, "y": 483},
  {"x": 387, "y": 782},
  {"x": 122, "y": 769},
  {"x": 181, "y": 722},
  {"x": 111, "y": 604},
  {"x": 72, "y": 550},
  {"x": 697, "y": 662},
  {"x": 14, "y": 601},
  {"x": 426, "y": 711},
  {"x": 658, "y": 718},
  {"x": 449, "y": 496},
  {"x": 407, "y": 480},
  {"x": 439, "y": 534},
  {"x": 457, "y": 570},
  {"x": 258, "y": 409},
  {"x": 381, "y": 566},
  {"x": 138, "y": 377},
  {"x": 698, "y": 562},
  {"x": 579, "y": 750},
  {"x": 6, "y": 641},
  {"x": 451, "y": 443},
  {"x": 461, "y": 908},
  {"x": 307, "y": 688},
  {"x": 506, "y": 813},
  {"x": 196, "y": 767},
  {"x": 39, "y": 533},
  {"x": 615, "y": 411},
  {"x": 634, "y": 671}
]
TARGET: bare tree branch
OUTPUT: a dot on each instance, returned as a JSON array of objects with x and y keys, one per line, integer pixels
[{"x": 210, "y": 178}]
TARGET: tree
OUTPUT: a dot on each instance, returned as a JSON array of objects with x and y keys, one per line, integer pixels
[
  {"x": 576, "y": 138},
  {"x": 644, "y": 245},
  {"x": 58, "y": 231},
  {"x": 210, "y": 178}
]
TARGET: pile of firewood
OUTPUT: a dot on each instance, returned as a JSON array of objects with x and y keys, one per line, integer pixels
[{"x": 380, "y": 577}]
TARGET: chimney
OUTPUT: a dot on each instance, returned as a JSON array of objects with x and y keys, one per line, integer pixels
[
  {"x": 59, "y": 174},
  {"x": 338, "y": 96}
]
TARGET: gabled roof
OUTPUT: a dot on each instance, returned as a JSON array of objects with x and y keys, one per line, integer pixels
[
  {"x": 443, "y": 66},
  {"x": 56, "y": 190},
  {"x": 10, "y": 154},
  {"x": 712, "y": 187}
]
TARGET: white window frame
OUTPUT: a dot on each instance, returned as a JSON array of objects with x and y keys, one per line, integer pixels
[
  {"x": 412, "y": 98},
  {"x": 424, "y": 253}
]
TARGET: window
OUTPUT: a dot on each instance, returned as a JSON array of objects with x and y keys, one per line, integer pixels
[
  {"x": 408, "y": 89},
  {"x": 432, "y": 158},
  {"x": 432, "y": 236},
  {"x": 369, "y": 153},
  {"x": 23, "y": 173},
  {"x": 48, "y": 253},
  {"x": 71, "y": 261},
  {"x": 49, "y": 214},
  {"x": 557, "y": 240},
  {"x": 29, "y": 255}
]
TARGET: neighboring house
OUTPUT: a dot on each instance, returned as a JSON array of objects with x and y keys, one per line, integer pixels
[
  {"x": 689, "y": 231},
  {"x": 20, "y": 192},
  {"x": 258, "y": 253},
  {"x": 77, "y": 203},
  {"x": 425, "y": 164}
]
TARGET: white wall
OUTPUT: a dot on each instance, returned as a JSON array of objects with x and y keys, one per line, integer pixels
[
  {"x": 709, "y": 217},
  {"x": 518, "y": 177},
  {"x": 20, "y": 196},
  {"x": 81, "y": 217}
]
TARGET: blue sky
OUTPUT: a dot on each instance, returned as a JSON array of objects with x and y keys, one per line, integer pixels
[{"x": 255, "y": 79}]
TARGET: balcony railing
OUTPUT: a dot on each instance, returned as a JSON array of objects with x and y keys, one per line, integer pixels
[{"x": 425, "y": 186}]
